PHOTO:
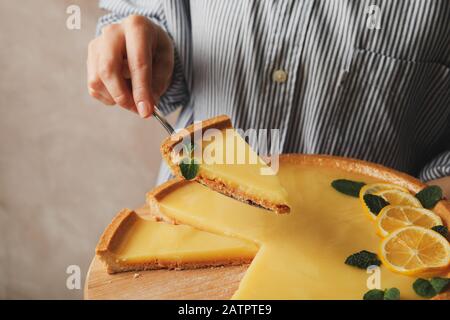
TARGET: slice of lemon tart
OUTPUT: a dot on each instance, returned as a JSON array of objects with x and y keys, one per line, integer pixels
[
  {"x": 132, "y": 242},
  {"x": 213, "y": 153},
  {"x": 328, "y": 247}
]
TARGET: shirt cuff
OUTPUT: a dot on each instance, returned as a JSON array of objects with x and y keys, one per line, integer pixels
[{"x": 437, "y": 168}]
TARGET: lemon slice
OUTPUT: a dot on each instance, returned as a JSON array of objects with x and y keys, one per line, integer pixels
[
  {"x": 394, "y": 217},
  {"x": 415, "y": 250},
  {"x": 373, "y": 189},
  {"x": 398, "y": 197}
]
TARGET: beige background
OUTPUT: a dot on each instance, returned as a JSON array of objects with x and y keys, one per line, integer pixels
[{"x": 67, "y": 163}]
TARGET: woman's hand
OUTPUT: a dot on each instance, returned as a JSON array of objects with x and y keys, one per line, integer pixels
[{"x": 135, "y": 49}]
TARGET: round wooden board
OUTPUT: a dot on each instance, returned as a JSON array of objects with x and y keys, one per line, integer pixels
[{"x": 206, "y": 283}]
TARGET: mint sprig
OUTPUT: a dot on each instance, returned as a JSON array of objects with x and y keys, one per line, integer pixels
[
  {"x": 189, "y": 168},
  {"x": 374, "y": 294},
  {"x": 439, "y": 284},
  {"x": 375, "y": 203},
  {"x": 429, "y": 196},
  {"x": 442, "y": 230},
  {"x": 363, "y": 259},
  {"x": 429, "y": 288},
  {"x": 392, "y": 294},
  {"x": 348, "y": 187},
  {"x": 424, "y": 288},
  {"x": 387, "y": 294}
]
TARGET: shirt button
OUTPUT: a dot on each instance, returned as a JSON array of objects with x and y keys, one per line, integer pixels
[{"x": 279, "y": 76}]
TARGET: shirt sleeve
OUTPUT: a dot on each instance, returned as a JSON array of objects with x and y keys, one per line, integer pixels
[
  {"x": 177, "y": 93},
  {"x": 437, "y": 168}
]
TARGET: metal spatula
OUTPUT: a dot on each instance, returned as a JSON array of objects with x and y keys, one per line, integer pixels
[{"x": 163, "y": 121}]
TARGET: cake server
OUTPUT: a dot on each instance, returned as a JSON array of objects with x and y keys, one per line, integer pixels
[{"x": 163, "y": 121}]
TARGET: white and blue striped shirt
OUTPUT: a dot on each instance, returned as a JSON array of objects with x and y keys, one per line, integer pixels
[{"x": 368, "y": 79}]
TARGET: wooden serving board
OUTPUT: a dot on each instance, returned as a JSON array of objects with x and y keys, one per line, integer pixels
[{"x": 206, "y": 283}]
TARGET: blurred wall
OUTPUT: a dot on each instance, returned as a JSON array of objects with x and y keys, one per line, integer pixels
[{"x": 67, "y": 163}]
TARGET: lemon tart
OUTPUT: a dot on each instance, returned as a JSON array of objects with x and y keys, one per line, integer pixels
[
  {"x": 227, "y": 164},
  {"x": 132, "y": 242},
  {"x": 301, "y": 255}
]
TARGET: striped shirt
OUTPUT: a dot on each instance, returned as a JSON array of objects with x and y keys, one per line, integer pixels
[{"x": 367, "y": 79}]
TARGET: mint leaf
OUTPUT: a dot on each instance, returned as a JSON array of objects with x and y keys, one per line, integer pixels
[
  {"x": 428, "y": 289},
  {"x": 377, "y": 294},
  {"x": 392, "y": 294},
  {"x": 348, "y": 187},
  {"x": 374, "y": 294},
  {"x": 363, "y": 259},
  {"x": 375, "y": 203},
  {"x": 429, "y": 196},
  {"x": 189, "y": 168},
  {"x": 442, "y": 230},
  {"x": 424, "y": 288},
  {"x": 439, "y": 284}
]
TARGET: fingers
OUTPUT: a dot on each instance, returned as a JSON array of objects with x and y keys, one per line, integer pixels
[
  {"x": 104, "y": 69},
  {"x": 163, "y": 68},
  {"x": 138, "y": 37},
  {"x": 110, "y": 65},
  {"x": 95, "y": 86},
  {"x": 125, "y": 70},
  {"x": 127, "y": 51}
]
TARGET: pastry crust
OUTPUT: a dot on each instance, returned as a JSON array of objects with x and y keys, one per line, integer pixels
[
  {"x": 220, "y": 122},
  {"x": 237, "y": 194},
  {"x": 115, "y": 231},
  {"x": 158, "y": 193}
]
